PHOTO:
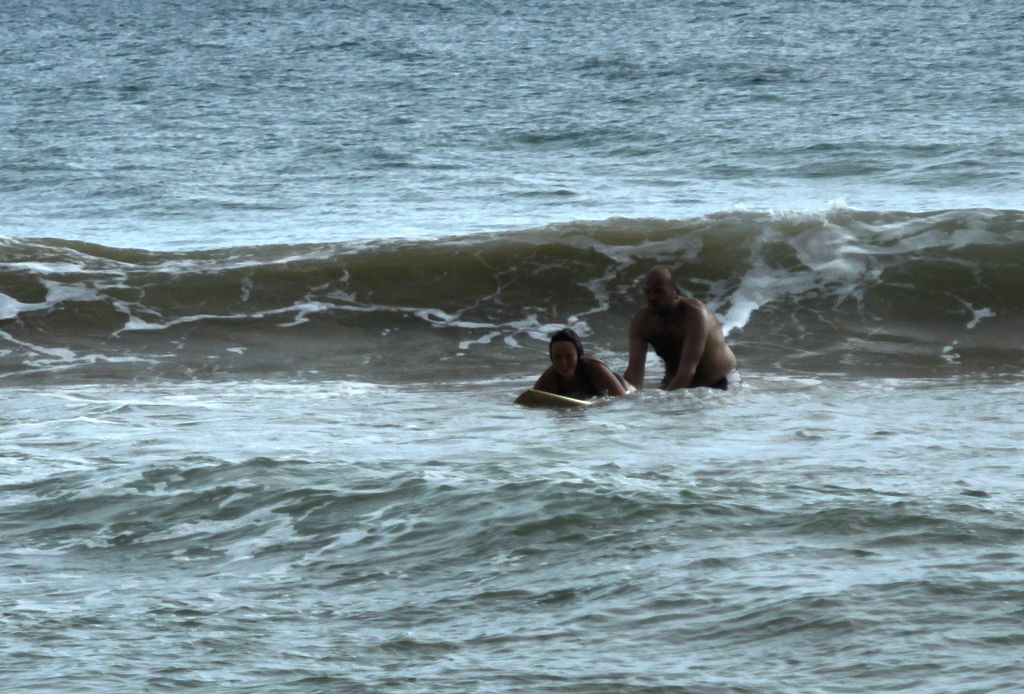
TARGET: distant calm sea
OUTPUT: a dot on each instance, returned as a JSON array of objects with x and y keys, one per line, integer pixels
[{"x": 271, "y": 274}]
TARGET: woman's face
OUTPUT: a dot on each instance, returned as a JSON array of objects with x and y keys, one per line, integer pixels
[{"x": 563, "y": 357}]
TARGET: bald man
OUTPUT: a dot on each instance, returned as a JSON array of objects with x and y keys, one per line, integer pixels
[{"x": 684, "y": 334}]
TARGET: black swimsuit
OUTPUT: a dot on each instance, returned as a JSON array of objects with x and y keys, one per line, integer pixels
[{"x": 730, "y": 380}]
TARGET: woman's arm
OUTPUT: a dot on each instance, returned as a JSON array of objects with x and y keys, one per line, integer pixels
[
  {"x": 603, "y": 379},
  {"x": 548, "y": 381}
]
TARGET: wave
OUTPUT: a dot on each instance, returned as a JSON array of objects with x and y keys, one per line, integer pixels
[
  {"x": 844, "y": 292},
  {"x": 208, "y": 505}
]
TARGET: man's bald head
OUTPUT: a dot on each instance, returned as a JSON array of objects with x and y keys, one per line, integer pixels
[
  {"x": 659, "y": 288},
  {"x": 659, "y": 273}
]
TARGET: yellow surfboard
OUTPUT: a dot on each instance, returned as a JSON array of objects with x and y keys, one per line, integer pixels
[{"x": 540, "y": 398}]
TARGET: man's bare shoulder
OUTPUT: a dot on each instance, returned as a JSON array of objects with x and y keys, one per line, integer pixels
[
  {"x": 690, "y": 304},
  {"x": 690, "y": 310},
  {"x": 642, "y": 314},
  {"x": 684, "y": 309},
  {"x": 643, "y": 320}
]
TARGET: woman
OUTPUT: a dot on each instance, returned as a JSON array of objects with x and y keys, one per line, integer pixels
[{"x": 574, "y": 375}]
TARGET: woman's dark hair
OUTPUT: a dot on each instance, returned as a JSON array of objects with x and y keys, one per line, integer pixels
[{"x": 567, "y": 335}]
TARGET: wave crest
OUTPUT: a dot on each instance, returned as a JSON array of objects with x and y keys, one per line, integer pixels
[{"x": 847, "y": 291}]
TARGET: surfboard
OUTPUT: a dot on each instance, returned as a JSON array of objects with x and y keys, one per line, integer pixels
[{"x": 540, "y": 398}]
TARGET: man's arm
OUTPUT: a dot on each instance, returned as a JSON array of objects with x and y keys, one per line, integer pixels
[
  {"x": 695, "y": 329},
  {"x": 637, "y": 355}
]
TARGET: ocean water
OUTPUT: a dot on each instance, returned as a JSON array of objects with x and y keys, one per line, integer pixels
[{"x": 271, "y": 275}]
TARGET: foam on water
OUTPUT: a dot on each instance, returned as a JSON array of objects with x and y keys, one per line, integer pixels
[{"x": 798, "y": 515}]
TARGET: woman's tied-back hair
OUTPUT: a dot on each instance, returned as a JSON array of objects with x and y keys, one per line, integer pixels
[{"x": 567, "y": 335}]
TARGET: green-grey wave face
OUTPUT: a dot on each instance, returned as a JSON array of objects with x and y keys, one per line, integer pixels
[{"x": 844, "y": 292}]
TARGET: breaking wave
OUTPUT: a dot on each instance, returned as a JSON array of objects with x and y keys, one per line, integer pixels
[{"x": 847, "y": 292}]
